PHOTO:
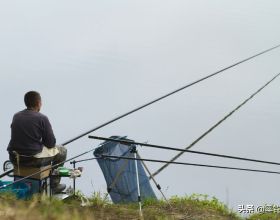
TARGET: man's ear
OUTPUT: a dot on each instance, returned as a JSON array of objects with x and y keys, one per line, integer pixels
[{"x": 39, "y": 104}]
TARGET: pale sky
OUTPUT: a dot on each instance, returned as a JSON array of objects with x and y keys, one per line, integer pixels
[{"x": 94, "y": 60}]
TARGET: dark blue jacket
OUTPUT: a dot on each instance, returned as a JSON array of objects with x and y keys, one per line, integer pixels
[{"x": 30, "y": 131}]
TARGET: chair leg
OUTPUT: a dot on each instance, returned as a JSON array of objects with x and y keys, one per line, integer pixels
[{"x": 48, "y": 189}]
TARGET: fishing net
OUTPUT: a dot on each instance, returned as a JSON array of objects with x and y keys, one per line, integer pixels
[{"x": 120, "y": 174}]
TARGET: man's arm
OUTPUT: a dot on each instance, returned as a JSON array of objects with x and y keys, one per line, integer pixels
[{"x": 48, "y": 138}]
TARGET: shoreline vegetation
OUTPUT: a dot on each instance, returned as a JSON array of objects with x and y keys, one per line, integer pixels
[{"x": 97, "y": 206}]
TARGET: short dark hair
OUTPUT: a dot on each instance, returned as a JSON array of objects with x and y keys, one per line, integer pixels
[{"x": 31, "y": 99}]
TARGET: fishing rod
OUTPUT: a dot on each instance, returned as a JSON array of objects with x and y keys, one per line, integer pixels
[
  {"x": 216, "y": 125},
  {"x": 180, "y": 163},
  {"x": 6, "y": 173},
  {"x": 160, "y": 98},
  {"x": 168, "y": 94},
  {"x": 183, "y": 150}
]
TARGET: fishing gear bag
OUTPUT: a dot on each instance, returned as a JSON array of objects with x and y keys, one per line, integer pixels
[{"x": 120, "y": 174}]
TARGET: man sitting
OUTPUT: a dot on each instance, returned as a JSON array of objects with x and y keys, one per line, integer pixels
[{"x": 33, "y": 143}]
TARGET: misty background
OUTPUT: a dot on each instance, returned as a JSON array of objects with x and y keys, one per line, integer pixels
[{"x": 94, "y": 60}]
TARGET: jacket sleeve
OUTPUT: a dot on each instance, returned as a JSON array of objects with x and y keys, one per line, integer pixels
[{"x": 48, "y": 138}]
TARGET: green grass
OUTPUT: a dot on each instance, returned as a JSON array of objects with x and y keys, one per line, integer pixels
[
  {"x": 98, "y": 206},
  {"x": 266, "y": 216}
]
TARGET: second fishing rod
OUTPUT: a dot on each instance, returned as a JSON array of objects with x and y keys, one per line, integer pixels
[{"x": 184, "y": 150}]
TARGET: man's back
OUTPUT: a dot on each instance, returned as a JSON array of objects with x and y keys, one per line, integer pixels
[
  {"x": 32, "y": 136},
  {"x": 30, "y": 131}
]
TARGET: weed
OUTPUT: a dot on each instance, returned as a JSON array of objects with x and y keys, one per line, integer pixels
[{"x": 99, "y": 206}]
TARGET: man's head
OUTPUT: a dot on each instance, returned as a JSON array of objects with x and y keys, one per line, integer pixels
[{"x": 32, "y": 100}]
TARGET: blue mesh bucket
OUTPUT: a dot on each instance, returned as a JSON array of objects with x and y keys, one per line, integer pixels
[
  {"x": 123, "y": 187},
  {"x": 21, "y": 190}
]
